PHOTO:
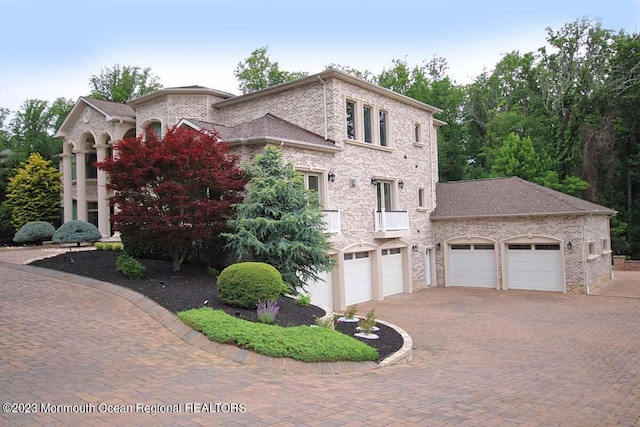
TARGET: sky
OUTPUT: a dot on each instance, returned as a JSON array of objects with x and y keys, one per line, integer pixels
[{"x": 51, "y": 49}]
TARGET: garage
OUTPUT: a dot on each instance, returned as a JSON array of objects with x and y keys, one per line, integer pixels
[
  {"x": 321, "y": 291},
  {"x": 473, "y": 265},
  {"x": 535, "y": 267},
  {"x": 392, "y": 275},
  {"x": 357, "y": 277}
]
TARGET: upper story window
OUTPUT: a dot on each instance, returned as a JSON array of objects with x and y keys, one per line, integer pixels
[
  {"x": 421, "y": 197},
  {"x": 155, "y": 127},
  {"x": 367, "y": 123},
  {"x": 384, "y": 193},
  {"x": 417, "y": 133},
  {"x": 92, "y": 170},
  {"x": 351, "y": 120},
  {"x": 313, "y": 181}
]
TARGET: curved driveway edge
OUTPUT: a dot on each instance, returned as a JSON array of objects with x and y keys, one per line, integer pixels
[{"x": 170, "y": 321}]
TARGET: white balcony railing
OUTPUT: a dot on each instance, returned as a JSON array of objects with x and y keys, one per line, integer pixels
[
  {"x": 391, "y": 220},
  {"x": 332, "y": 221}
]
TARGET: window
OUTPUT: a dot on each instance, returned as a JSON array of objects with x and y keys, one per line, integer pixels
[
  {"x": 91, "y": 159},
  {"x": 367, "y": 124},
  {"x": 92, "y": 213},
  {"x": 461, "y": 247},
  {"x": 421, "y": 197},
  {"x": 605, "y": 245},
  {"x": 156, "y": 128},
  {"x": 519, "y": 247},
  {"x": 74, "y": 175},
  {"x": 483, "y": 247},
  {"x": 592, "y": 248},
  {"x": 314, "y": 181},
  {"x": 351, "y": 120},
  {"x": 417, "y": 133},
  {"x": 384, "y": 196},
  {"x": 382, "y": 119}
]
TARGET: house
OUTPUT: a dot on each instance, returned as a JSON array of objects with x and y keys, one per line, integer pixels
[{"x": 371, "y": 154}]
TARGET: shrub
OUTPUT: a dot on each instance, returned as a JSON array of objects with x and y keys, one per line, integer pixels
[
  {"x": 212, "y": 271},
  {"x": 267, "y": 311},
  {"x": 299, "y": 342},
  {"x": 34, "y": 232},
  {"x": 245, "y": 284},
  {"x": 129, "y": 266},
  {"x": 76, "y": 232},
  {"x": 303, "y": 300},
  {"x": 137, "y": 246},
  {"x": 103, "y": 246}
]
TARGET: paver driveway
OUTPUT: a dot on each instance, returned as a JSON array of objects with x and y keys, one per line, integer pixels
[{"x": 481, "y": 357}]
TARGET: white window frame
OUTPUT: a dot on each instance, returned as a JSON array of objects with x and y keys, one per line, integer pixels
[
  {"x": 375, "y": 136},
  {"x": 322, "y": 182}
]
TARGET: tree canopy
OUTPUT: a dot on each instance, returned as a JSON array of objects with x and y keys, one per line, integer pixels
[
  {"x": 175, "y": 190},
  {"x": 281, "y": 222},
  {"x": 259, "y": 72},
  {"x": 121, "y": 84}
]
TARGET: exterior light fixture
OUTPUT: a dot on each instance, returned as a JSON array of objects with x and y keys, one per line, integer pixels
[
  {"x": 438, "y": 246},
  {"x": 374, "y": 180},
  {"x": 331, "y": 176},
  {"x": 401, "y": 184},
  {"x": 414, "y": 248},
  {"x": 569, "y": 246}
]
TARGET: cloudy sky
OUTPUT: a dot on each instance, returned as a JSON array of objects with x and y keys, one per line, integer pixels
[{"x": 50, "y": 49}]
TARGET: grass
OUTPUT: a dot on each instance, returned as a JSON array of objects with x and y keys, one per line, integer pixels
[{"x": 304, "y": 343}]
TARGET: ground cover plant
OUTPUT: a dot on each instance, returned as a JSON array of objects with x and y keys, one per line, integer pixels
[
  {"x": 194, "y": 287},
  {"x": 304, "y": 343}
]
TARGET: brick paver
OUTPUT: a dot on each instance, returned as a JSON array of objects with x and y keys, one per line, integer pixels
[{"x": 481, "y": 357}]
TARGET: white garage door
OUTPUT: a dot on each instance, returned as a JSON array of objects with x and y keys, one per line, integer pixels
[
  {"x": 535, "y": 267},
  {"x": 357, "y": 277},
  {"x": 321, "y": 291},
  {"x": 392, "y": 278},
  {"x": 473, "y": 265}
]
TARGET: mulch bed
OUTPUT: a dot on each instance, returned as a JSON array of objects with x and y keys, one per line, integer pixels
[{"x": 193, "y": 287}]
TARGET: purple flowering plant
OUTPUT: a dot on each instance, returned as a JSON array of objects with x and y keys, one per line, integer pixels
[{"x": 267, "y": 311}]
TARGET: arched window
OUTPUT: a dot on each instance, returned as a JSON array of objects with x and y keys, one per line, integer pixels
[{"x": 155, "y": 127}]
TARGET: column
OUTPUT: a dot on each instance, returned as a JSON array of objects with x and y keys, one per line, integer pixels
[
  {"x": 67, "y": 187},
  {"x": 103, "y": 200},
  {"x": 81, "y": 184}
]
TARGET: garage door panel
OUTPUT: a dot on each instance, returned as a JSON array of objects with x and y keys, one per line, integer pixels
[
  {"x": 321, "y": 291},
  {"x": 392, "y": 272},
  {"x": 357, "y": 278},
  {"x": 471, "y": 266},
  {"x": 535, "y": 267}
]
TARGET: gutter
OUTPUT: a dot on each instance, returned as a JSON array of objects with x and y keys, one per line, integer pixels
[{"x": 324, "y": 105}]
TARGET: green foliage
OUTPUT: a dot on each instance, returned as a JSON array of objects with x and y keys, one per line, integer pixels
[
  {"x": 258, "y": 72},
  {"x": 33, "y": 193},
  {"x": 281, "y": 223},
  {"x": 303, "y": 300},
  {"x": 121, "y": 84},
  {"x": 247, "y": 283},
  {"x": 368, "y": 322},
  {"x": 350, "y": 314},
  {"x": 76, "y": 232},
  {"x": 267, "y": 311},
  {"x": 302, "y": 343},
  {"x": 212, "y": 271},
  {"x": 138, "y": 246},
  {"x": 35, "y": 232},
  {"x": 516, "y": 157},
  {"x": 129, "y": 266},
  {"x": 570, "y": 185},
  {"x": 108, "y": 246}
]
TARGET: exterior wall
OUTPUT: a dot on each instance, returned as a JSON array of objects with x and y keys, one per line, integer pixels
[
  {"x": 564, "y": 228},
  {"x": 598, "y": 264},
  {"x": 620, "y": 263},
  {"x": 169, "y": 109}
]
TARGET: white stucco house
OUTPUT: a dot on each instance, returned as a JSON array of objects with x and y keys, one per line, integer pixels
[{"x": 372, "y": 156}]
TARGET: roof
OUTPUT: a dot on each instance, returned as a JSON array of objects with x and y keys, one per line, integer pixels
[
  {"x": 321, "y": 77},
  {"x": 111, "y": 111},
  {"x": 268, "y": 128},
  {"x": 500, "y": 197},
  {"x": 182, "y": 90}
]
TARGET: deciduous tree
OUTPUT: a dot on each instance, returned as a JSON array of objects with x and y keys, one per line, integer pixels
[
  {"x": 121, "y": 84},
  {"x": 258, "y": 72},
  {"x": 175, "y": 190}
]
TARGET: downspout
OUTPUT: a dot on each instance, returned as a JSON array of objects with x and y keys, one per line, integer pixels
[{"x": 324, "y": 93}]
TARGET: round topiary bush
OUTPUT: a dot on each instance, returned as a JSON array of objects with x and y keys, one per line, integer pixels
[
  {"x": 245, "y": 283},
  {"x": 34, "y": 232},
  {"x": 76, "y": 232}
]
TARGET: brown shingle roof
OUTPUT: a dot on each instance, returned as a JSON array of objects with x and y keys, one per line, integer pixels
[
  {"x": 269, "y": 128},
  {"x": 506, "y": 197},
  {"x": 113, "y": 109}
]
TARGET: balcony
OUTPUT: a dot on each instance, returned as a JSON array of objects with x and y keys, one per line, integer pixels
[
  {"x": 391, "y": 224},
  {"x": 332, "y": 221}
]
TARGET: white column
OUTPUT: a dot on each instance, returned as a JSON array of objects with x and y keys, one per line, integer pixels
[
  {"x": 67, "y": 187},
  {"x": 103, "y": 200},
  {"x": 81, "y": 184}
]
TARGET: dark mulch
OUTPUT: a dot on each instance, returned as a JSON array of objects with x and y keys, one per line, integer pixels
[{"x": 193, "y": 287}]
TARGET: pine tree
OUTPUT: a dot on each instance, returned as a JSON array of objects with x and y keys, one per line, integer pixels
[
  {"x": 281, "y": 222},
  {"x": 33, "y": 193}
]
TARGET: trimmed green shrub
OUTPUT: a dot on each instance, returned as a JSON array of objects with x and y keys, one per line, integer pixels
[
  {"x": 76, "y": 232},
  {"x": 106, "y": 246},
  {"x": 246, "y": 283},
  {"x": 129, "y": 266},
  {"x": 303, "y": 343},
  {"x": 303, "y": 300},
  {"x": 34, "y": 232}
]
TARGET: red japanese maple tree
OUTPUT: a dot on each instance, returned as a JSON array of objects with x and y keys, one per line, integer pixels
[{"x": 175, "y": 190}]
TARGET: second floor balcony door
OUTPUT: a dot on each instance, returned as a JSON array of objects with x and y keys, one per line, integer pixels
[{"x": 384, "y": 196}]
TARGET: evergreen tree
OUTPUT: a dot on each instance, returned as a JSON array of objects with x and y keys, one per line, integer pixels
[
  {"x": 281, "y": 222},
  {"x": 33, "y": 193}
]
